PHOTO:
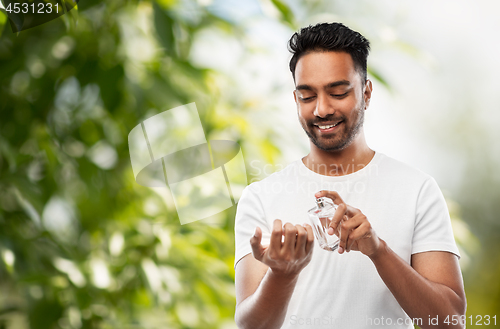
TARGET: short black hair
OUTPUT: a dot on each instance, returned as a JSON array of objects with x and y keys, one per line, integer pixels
[{"x": 330, "y": 37}]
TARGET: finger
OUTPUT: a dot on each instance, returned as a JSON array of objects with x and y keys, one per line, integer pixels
[
  {"x": 347, "y": 227},
  {"x": 330, "y": 194},
  {"x": 337, "y": 217},
  {"x": 351, "y": 211},
  {"x": 354, "y": 222},
  {"x": 290, "y": 238},
  {"x": 363, "y": 231},
  {"x": 255, "y": 242},
  {"x": 300, "y": 244},
  {"x": 310, "y": 238},
  {"x": 351, "y": 245},
  {"x": 275, "y": 243},
  {"x": 344, "y": 233}
]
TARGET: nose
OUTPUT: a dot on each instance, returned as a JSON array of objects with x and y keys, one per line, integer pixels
[{"x": 323, "y": 106}]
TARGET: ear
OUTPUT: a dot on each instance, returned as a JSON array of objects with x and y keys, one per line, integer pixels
[
  {"x": 368, "y": 92},
  {"x": 295, "y": 96}
]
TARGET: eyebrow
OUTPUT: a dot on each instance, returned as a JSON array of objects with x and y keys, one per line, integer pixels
[{"x": 328, "y": 86}]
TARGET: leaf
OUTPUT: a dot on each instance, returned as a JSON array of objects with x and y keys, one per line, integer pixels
[
  {"x": 16, "y": 19},
  {"x": 3, "y": 20},
  {"x": 164, "y": 29},
  {"x": 379, "y": 77},
  {"x": 286, "y": 12}
]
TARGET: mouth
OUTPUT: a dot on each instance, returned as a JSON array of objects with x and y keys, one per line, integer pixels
[{"x": 325, "y": 128}]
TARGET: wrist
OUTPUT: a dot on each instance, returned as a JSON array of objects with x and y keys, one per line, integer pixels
[
  {"x": 381, "y": 251},
  {"x": 283, "y": 277}
]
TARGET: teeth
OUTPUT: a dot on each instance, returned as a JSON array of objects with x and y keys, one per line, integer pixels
[{"x": 329, "y": 126}]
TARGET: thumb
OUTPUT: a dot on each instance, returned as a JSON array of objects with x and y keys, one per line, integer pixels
[{"x": 255, "y": 242}]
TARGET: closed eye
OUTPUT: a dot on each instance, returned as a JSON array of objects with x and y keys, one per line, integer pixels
[
  {"x": 339, "y": 95},
  {"x": 307, "y": 99}
]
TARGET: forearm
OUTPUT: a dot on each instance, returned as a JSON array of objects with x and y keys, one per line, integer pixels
[
  {"x": 267, "y": 306},
  {"x": 418, "y": 296}
]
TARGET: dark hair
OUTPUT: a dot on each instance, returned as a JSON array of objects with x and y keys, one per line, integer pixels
[{"x": 329, "y": 37}]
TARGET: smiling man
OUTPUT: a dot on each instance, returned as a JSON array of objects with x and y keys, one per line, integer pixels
[
  {"x": 403, "y": 268},
  {"x": 320, "y": 125}
]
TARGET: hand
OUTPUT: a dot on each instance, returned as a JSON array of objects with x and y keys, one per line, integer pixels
[
  {"x": 356, "y": 232},
  {"x": 288, "y": 257}
]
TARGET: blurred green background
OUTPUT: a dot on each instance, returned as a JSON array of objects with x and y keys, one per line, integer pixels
[{"x": 84, "y": 246}]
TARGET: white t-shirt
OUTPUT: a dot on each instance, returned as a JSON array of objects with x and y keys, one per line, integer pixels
[{"x": 405, "y": 208}]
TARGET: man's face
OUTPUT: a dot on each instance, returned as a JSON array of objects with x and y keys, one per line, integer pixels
[{"x": 331, "y": 99}]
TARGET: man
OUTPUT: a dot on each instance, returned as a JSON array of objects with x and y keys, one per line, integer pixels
[{"x": 397, "y": 262}]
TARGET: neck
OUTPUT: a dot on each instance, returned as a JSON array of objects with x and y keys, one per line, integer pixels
[{"x": 341, "y": 162}]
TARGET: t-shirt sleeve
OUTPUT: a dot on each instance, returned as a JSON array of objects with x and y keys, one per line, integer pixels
[
  {"x": 249, "y": 215},
  {"x": 433, "y": 231}
]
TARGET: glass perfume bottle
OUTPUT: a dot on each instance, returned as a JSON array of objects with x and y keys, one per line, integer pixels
[{"x": 321, "y": 216}]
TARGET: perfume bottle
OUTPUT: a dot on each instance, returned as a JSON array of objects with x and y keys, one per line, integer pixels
[{"x": 321, "y": 216}]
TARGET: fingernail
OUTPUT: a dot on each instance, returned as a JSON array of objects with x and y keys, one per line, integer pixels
[
  {"x": 330, "y": 230},
  {"x": 255, "y": 233},
  {"x": 341, "y": 250}
]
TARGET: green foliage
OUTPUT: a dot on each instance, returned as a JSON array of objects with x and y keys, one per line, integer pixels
[{"x": 82, "y": 244}]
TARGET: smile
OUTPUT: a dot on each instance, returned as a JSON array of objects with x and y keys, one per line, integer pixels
[{"x": 329, "y": 127}]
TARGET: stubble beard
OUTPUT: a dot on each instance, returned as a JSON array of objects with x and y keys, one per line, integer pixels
[{"x": 348, "y": 135}]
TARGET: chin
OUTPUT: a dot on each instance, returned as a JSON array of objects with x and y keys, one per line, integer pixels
[
  {"x": 338, "y": 143},
  {"x": 330, "y": 148}
]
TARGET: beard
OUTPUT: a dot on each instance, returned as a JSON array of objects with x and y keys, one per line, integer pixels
[{"x": 339, "y": 140}]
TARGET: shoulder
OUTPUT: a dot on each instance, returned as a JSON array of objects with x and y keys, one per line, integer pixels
[
  {"x": 257, "y": 195},
  {"x": 274, "y": 180},
  {"x": 400, "y": 171}
]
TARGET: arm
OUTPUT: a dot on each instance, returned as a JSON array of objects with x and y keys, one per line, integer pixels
[
  {"x": 261, "y": 296},
  {"x": 265, "y": 279},
  {"x": 430, "y": 286}
]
